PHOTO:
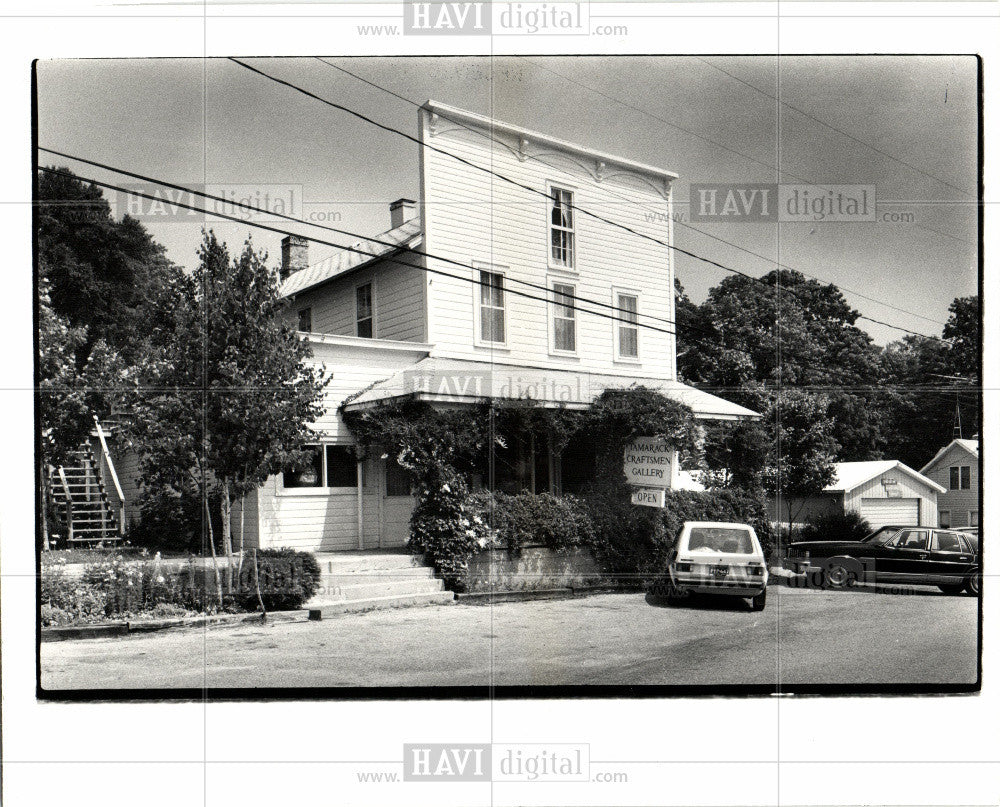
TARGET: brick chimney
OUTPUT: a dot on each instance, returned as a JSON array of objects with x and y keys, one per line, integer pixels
[
  {"x": 294, "y": 254},
  {"x": 401, "y": 211}
]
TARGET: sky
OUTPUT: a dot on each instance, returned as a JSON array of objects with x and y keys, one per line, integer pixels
[{"x": 907, "y": 125}]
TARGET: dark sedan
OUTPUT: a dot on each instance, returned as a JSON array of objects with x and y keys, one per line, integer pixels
[{"x": 918, "y": 555}]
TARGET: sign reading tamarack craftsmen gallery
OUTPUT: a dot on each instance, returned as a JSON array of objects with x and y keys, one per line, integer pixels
[{"x": 648, "y": 462}]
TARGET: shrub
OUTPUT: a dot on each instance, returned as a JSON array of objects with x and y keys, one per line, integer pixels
[
  {"x": 846, "y": 526},
  {"x": 288, "y": 578},
  {"x": 517, "y": 520},
  {"x": 446, "y": 527},
  {"x": 173, "y": 522}
]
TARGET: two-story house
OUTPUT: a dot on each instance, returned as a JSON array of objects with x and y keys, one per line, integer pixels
[
  {"x": 956, "y": 468},
  {"x": 482, "y": 288}
]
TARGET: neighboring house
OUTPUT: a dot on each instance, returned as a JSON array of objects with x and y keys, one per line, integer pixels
[
  {"x": 392, "y": 324},
  {"x": 881, "y": 491},
  {"x": 956, "y": 468}
]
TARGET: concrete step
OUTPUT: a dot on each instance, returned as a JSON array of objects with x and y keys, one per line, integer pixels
[
  {"x": 374, "y": 575},
  {"x": 321, "y": 610},
  {"x": 379, "y": 588},
  {"x": 373, "y": 561}
]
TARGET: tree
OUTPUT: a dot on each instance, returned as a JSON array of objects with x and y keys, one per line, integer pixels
[
  {"x": 68, "y": 394},
  {"x": 925, "y": 380},
  {"x": 234, "y": 396},
  {"x": 103, "y": 274},
  {"x": 781, "y": 328},
  {"x": 802, "y": 454},
  {"x": 962, "y": 329}
]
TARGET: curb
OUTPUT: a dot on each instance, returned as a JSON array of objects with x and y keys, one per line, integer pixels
[
  {"x": 486, "y": 597},
  {"x": 118, "y": 629}
]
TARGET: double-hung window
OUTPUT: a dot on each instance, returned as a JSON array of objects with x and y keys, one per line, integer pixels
[
  {"x": 306, "y": 320},
  {"x": 627, "y": 326},
  {"x": 562, "y": 233},
  {"x": 492, "y": 314},
  {"x": 960, "y": 477},
  {"x": 365, "y": 301},
  {"x": 563, "y": 318}
]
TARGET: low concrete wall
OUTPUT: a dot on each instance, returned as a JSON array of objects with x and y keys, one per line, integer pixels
[{"x": 535, "y": 567}]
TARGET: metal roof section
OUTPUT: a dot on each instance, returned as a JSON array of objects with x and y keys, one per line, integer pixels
[
  {"x": 851, "y": 475},
  {"x": 454, "y": 381},
  {"x": 407, "y": 235}
]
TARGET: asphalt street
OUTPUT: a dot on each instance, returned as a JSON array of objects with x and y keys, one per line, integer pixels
[{"x": 805, "y": 636}]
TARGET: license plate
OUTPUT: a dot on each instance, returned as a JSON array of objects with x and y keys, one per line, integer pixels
[{"x": 720, "y": 571}]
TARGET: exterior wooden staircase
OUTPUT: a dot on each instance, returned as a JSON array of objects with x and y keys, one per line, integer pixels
[{"x": 81, "y": 498}]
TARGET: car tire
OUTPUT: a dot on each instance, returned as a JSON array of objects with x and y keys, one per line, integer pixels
[
  {"x": 972, "y": 583},
  {"x": 953, "y": 588},
  {"x": 839, "y": 574},
  {"x": 757, "y": 603}
]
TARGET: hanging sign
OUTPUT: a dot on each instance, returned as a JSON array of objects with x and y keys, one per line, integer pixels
[{"x": 647, "y": 463}]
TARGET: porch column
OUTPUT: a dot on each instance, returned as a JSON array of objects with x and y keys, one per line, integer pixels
[
  {"x": 674, "y": 469},
  {"x": 361, "y": 504}
]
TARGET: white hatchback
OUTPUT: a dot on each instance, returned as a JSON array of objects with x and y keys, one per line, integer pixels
[{"x": 715, "y": 557}]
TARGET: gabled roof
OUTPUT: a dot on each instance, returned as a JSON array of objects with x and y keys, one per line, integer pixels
[
  {"x": 407, "y": 235},
  {"x": 969, "y": 446},
  {"x": 851, "y": 475}
]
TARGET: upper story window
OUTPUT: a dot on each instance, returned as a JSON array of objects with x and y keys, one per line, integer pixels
[
  {"x": 306, "y": 320},
  {"x": 960, "y": 477},
  {"x": 563, "y": 318},
  {"x": 562, "y": 232},
  {"x": 365, "y": 311},
  {"x": 627, "y": 325},
  {"x": 492, "y": 324}
]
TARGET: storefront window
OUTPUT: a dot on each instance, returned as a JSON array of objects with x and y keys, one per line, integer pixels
[
  {"x": 309, "y": 474},
  {"x": 341, "y": 467}
]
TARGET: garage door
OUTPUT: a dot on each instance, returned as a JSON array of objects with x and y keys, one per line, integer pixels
[{"x": 880, "y": 512}]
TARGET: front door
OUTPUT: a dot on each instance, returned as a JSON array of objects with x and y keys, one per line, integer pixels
[{"x": 396, "y": 505}]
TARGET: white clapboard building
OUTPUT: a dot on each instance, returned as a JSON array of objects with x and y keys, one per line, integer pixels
[{"x": 458, "y": 324}]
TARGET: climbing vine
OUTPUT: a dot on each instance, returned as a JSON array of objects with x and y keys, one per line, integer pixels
[{"x": 444, "y": 447}]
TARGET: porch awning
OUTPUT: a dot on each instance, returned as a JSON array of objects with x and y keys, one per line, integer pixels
[{"x": 454, "y": 381}]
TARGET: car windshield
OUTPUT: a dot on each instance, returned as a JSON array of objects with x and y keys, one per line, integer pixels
[
  {"x": 734, "y": 540},
  {"x": 881, "y": 536}
]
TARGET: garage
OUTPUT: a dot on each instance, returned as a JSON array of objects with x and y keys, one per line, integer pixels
[
  {"x": 883, "y": 492},
  {"x": 881, "y": 512}
]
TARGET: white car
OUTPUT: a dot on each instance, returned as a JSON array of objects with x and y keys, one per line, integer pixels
[{"x": 715, "y": 557}]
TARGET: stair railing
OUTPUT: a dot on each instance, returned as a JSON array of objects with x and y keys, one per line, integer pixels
[
  {"x": 114, "y": 476},
  {"x": 69, "y": 503}
]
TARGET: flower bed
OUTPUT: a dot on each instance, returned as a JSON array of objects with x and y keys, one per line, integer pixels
[{"x": 114, "y": 588}]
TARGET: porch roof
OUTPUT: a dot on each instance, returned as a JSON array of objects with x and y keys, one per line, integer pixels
[{"x": 458, "y": 381}]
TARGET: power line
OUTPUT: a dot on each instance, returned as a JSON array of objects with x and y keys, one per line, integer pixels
[
  {"x": 849, "y": 381},
  {"x": 542, "y": 193},
  {"x": 831, "y": 127},
  {"x": 338, "y": 230},
  {"x": 355, "y": 249},
  {"x": 753, "y": 159}
]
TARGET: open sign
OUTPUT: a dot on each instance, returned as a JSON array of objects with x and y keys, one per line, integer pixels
[{"x": 650, "y": 497}]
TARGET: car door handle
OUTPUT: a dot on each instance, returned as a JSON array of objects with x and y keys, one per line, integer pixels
[{"x": 921, "y": 555}]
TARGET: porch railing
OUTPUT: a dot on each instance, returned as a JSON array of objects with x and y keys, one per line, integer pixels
[{"x": 110, "y": 465}]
